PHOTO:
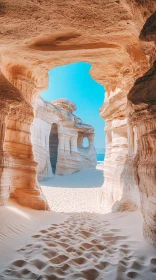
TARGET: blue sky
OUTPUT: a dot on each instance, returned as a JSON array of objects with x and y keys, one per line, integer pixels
[{"x": 74, "y": 82}]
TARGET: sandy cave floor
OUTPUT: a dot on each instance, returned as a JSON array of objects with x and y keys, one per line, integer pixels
[
  {"x": 49, "y": 245},
  {"x": 79, "y": 192}
]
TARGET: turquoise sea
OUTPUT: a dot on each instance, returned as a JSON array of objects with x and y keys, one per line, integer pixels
[{"x": 100, "y": 157}]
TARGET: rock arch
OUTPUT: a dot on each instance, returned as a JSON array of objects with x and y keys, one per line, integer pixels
[{"x": 85, "y": 142}]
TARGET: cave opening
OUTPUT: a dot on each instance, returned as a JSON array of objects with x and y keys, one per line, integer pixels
[
  {"x": 78, "y": 86},
  {"x": 123, "y": 58},
  {"x": 70, "y": 141},
  {"x": 85, "y": 142},
  {"x": 53, "y": 146}
]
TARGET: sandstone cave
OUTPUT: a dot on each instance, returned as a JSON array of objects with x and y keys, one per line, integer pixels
[{"x": 118, "y": 39}]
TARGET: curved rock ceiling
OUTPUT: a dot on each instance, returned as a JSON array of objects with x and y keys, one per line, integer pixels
[{"x": 41, "y": 34}]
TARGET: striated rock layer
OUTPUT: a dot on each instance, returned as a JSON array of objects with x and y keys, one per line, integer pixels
[
  {"x": 57, "y": 138},
  {"x": 142, "y": 115},
  {"x": 39, "y": 35}
]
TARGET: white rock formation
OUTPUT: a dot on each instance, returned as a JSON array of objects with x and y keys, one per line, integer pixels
[
  {"x": 57, "y": 138},
  {"x": 120, "y": 191}
]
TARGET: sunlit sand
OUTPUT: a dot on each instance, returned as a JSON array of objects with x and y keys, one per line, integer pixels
[
  {"x": 49, "y": 245},
  {"x": 79, "y": 192}
]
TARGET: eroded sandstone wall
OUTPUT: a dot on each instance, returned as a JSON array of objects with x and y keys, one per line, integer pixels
[
  {"x": 37, "y": 36},
  {"x": 122, "y": 192},
  {"x": 142, "y": 115},
  {"x": 18, "y": 178},
  {"x": 10, "y": 97}
]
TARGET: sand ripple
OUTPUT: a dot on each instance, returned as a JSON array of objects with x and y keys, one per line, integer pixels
[{"x": 82, "y": 247}]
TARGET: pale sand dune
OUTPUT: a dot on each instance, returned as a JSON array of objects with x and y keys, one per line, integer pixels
[
  {"x": 47, "y": 245},
  {"x": 17, "y": 224},
  {"x": 84, "y": 246}
]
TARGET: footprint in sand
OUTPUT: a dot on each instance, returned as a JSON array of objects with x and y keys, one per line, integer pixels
[
  {"x": 19, "y": 263},
  {"x": 43, "y": 231},
  {"x": 136, "y": 265},
  {"x": 132, "y": 274},
  {"x": 90, "y": 274},
  {"x": 102, "y": 265},
  {"x": 79, "y": 261},
  {"x": 38, "y": 263},
  {"x": 153, "y": 261},
  {"x": 37, "y": 236},
  {"x": 48, "y": 253},
  {"x": 59, "y": 259},
  {"x": 79, "y": 250},
  {"x": 86, "y": 246}
]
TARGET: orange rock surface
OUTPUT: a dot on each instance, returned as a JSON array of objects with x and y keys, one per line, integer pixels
[{"x": 41, "y": 34}]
